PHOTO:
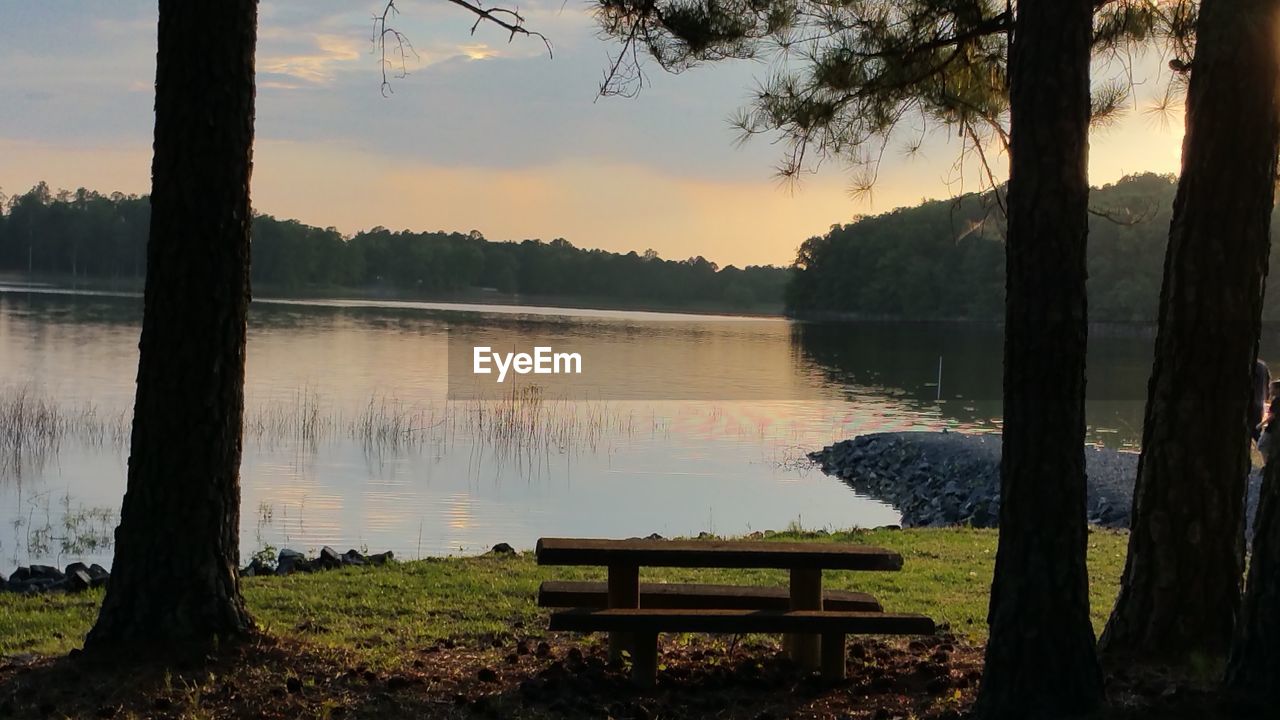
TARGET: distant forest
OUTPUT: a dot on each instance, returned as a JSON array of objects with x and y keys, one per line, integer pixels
[
  {"x": 94, "y": 238},
  {"x": 942, "y": 259},
  {"x": 945, "y": 259}
]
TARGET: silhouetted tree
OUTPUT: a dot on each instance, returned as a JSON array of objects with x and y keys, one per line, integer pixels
[
  {"x": 174, "y": 578},
  {"x": 866, "y": 65},
  {"x": 1040, "y": 659},
  {"x": 1181, "y": 587}
]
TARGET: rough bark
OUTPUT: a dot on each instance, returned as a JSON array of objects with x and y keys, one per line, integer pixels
[
  {"x": 1254, "y": 668},
  {"x": 174, "y": 581},
  {"x": 1040, "y": 660},
  {"x": 1181, "y": 587}
]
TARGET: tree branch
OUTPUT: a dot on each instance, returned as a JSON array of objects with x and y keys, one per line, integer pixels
[{"x": 506, "y": 18}]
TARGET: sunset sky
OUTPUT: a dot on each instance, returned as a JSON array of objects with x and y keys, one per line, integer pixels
[{"x": 482, "y": 134}]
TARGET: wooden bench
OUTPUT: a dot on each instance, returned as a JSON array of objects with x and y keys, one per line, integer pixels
[
  {"x": 645, "y": 624},
  {"x": 691, "y": 596},
  {"x": 634, "y": 614}
]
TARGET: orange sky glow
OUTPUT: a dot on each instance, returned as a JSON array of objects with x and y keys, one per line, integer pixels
[{"x": 471, "y": 140}]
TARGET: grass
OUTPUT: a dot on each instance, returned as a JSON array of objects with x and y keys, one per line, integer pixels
[
  {"x": 517, "y": 423},
  {"x": 385, "y": 615}
]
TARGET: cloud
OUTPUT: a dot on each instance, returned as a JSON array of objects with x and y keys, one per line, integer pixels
[{"x": 318, "y": 65}]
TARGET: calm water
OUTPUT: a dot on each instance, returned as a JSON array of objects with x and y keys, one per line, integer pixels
[{"x": 679, "y": 424}]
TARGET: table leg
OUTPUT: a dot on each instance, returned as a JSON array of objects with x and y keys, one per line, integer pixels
[
  {"x": 806, "y": 594},
  {"x": 624, "y": 592},
  {"x": 833, "y": 658},
  {"x": 644, "y": 659}
]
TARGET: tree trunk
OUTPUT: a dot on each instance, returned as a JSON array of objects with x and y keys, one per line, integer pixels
[
  {"x": 174, "y": 578},
  {"x": 1254, "y": 668},
  {"x": 1181, "y": 587},
  {"x": 1040, "y": 660}
]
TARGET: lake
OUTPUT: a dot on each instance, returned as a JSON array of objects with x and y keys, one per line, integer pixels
[{"x": 366, "y": 429}]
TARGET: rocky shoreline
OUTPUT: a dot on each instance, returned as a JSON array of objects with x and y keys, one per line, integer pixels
[
  {"x": 945, "y": 478},
  {"x": 77, "y": 577}
]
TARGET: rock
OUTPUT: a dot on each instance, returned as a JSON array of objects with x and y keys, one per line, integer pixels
[
  {"x": 352, "y": 557},
  {"x": 289, "y": 561},
  {"x": 503, "y": 549},
  {"x": 938, "y": 479},
  {"x": 45, "y": 572},
  {"x": 78, "y": 579},
  {"x": 329, "y": 558},
  {"x": 98, "y": 575},
  {"x": 257, "y": 568},
  {"x": 74, "y": 567},
  {"x": 654, "y": 536},
  {"x": 381, "y": 558}
]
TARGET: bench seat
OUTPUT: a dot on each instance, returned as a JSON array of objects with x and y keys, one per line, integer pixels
[
  {"x": 588, "y": 594},
  {"x": 646, "y": 623}
]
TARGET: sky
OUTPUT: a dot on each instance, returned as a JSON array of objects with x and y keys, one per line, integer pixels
[{"x": 482, "y": 134}]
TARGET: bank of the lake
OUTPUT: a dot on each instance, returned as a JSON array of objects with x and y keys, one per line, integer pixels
[
  {"x": 386, "y": 614},
  {"x": 462, "y": 637},
  {"x": 937, "y": 479},
  {"x": 469, "y": 296}
]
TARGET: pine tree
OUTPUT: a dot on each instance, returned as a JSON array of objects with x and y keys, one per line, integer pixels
[{"x": 174, "y": 578}]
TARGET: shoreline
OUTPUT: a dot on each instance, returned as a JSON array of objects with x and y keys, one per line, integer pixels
[
  {"x": 265, "y": 292},
  {"x": 940, "y": 479}
]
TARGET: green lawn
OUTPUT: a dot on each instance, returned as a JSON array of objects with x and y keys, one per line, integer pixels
[{"x": 379, "y": 613}]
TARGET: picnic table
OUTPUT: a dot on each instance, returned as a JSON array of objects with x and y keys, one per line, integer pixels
[{"x": 634, "y": 613}]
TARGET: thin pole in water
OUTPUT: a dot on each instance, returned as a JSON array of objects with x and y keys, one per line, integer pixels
[{"x": 939, "y": 378}]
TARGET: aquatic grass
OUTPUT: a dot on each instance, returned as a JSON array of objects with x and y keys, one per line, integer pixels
[
  {"x": 34, "y": 426},
  {"x": 520, "y": 424},
  {"x": 73, "y": 531}
]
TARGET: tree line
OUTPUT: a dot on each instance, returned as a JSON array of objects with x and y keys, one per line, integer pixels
[
  {"x": 90, "y": 236},
  {"x": 944, "y": 259}
]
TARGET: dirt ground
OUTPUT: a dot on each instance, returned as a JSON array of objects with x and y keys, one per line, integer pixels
[{"x": 561, "y": 677}]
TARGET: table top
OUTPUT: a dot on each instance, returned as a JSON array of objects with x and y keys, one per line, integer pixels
[{"x": 716, "y": 554}]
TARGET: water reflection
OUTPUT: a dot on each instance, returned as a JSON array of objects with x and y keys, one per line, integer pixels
[
  {"x": 905, "y": 362},
  {"x": 351, "y": 439}
]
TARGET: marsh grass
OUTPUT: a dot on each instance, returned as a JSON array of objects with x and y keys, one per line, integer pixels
[
  {"x": 519, "y": 424},
  {"x": 33, "y": 428},
  {"x": 61, "y": 529}
]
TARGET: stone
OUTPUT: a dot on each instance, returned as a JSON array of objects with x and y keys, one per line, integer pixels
[
  {"x": 503, "y": 549},
  {"x": 20, "y": 575},
  {"x": 381, "y": 558},
  {"x": 46, "y": 572},
  {"x": 98, "y": 575},
  {"x": 329, "y": 558},
  {"x": 289, "y": 561},
  {"x": 256, "y": 568},
  {"x": 78, "y": 579},
  {"x": 353, "y": 557}
]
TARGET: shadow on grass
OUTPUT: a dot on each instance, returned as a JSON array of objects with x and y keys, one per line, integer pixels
[{"x": 556, "y": 677}]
